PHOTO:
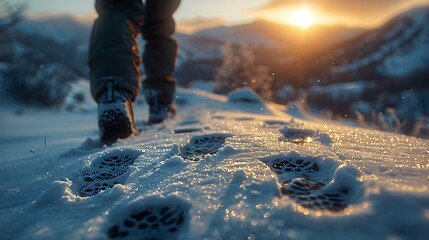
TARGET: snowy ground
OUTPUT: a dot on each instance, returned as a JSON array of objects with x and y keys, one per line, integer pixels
[{"x": 224, "y": 168}]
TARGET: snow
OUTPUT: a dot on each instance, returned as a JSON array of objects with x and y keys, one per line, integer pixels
[
  {"x": 240, "y": 176},
  {"x": 245, "y": 95}
]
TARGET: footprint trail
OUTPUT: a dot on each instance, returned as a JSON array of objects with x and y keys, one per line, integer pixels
[{"x": 201, "y": 146}]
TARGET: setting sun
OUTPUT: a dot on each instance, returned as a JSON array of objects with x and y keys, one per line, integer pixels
[{"x": 303, "y": 17}]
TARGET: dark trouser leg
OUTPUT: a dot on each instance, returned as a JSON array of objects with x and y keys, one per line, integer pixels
[
  {"x": 114, "y": 51},
  {"x": 160, "y": 51},
  {"x": 113, "y": 61}
]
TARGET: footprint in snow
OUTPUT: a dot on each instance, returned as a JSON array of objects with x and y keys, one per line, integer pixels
[
  {"x": 242, "y": 119},
  {"x": 152, "y": 218},
  {"x": 313, "y": 182},
  {"x": 188, "y": 121},
  {"x": 310, "y": 194},
  {"x": 297, "y": 135},
  {"x": 276, "y": 123},
  {"x": 294, "y": 164},
  {"x": 105, "y": 171},
  {"x": 300, "y": 135},
  {"x": 187, "y": 130},
  {"x": 291, "y": 123},
  {"x": 200, "y": 146}
]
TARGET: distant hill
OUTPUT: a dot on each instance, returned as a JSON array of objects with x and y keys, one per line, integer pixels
[
  {"x": 60, "y": 28},
  {"x": 263, "y": 33},
  {"x": 397, "y": 50},
  {"x": 58, "y": 40},
  {"x": 274, "y": 44}
]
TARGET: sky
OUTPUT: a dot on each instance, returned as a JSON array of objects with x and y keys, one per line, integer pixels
[{"x": 197, "y": 14}]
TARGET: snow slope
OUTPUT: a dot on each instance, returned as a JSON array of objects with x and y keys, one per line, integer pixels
[
  {"x": 396, "y": 49},
  {"x": 224, "y": 168}
]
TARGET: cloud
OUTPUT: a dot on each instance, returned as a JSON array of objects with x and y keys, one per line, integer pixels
[
  {"x": 351, "y": 8},
  {"x": 197, "y": 23}
]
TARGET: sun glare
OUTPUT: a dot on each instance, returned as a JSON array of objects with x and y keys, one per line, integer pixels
[{"x": 303, "y": 17}]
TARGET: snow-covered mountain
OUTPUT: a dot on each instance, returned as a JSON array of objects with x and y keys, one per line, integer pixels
[
  {"x": 231, "y": 167},
  {"x": 60, "y": 40},
  {"x": 61, "y": 28},
  {"x": 397, "y": 49},
  {"x": 197, "y": 48}
]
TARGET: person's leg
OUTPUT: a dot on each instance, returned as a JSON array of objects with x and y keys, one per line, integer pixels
[
  {"x": 113, "y": 61},
  {"x": 159, "y": 57},
  {"x": 114, "y": 51}
]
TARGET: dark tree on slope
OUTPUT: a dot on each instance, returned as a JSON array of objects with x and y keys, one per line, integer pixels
[
  {"x": 239, "y": 69},
  {"x": 43, "y": 85},
  {"x": 10, "y": 14}
]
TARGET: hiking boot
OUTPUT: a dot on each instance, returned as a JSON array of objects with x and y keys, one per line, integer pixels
[
  {"x": 160, "y": 98},
  {"x": 115, "y": 116},
  {"x": 159, "y": 113}
]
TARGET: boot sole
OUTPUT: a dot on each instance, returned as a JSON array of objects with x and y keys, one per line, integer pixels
[{"x": 115, "y": 124}]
